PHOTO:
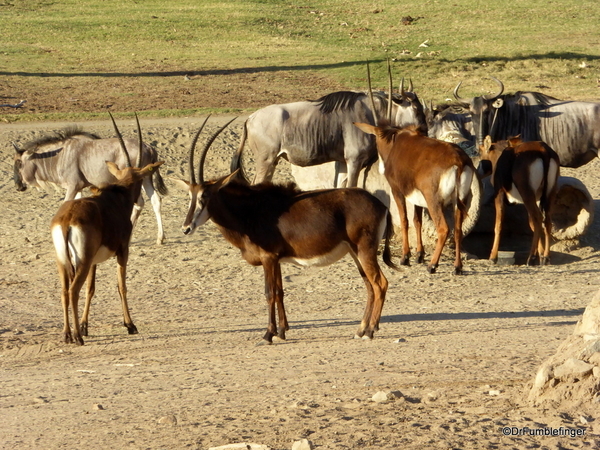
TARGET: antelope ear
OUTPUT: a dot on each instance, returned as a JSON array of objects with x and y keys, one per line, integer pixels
[
  {"x": 232, "y": 176},
  {"x": 367, "y": 128},
  {"x": 114, "y": 169},
  {"x": 150, "y": 168},
  {"x": 184, "y": 185}
]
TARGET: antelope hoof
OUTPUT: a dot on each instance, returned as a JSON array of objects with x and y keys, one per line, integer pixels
[
  {"x": 131, "y": 329},
  {"x": 458, "y": 271},
  {"x": 359, "y": 334},
  {"x": 281, "y": 335},
  {"x": 494, "y": 260},
  {"x": 68, "y": 338},
  {"x": 544, "y": 261},
  {"x": 420, "y": 257},
  {"x": 531, "y": 261},
  {"x": 83, "y": 327},
  {"x": 431, "y": 268},
  {"x": 78, "y": 340},
  {"x": 405, "y": 261},
  {"x": 268, "y": 337}
]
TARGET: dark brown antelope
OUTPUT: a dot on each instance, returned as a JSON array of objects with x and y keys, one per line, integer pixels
[
  {"x": 274, "y": 224},
  {"x": 523, "y": 172},
  {"x": 88, "y": 231},
  {"x": 430, "y": 174}
]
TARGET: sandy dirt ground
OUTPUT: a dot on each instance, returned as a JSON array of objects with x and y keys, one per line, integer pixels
[{"x": 455, "y": 354}]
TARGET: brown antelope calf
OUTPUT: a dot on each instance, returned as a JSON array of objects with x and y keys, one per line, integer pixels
[
  {"x": 88, "y": 231},
  {"x": 430, "y": 174},
  {"x": 524, "y": 172},
  {"x": 274, "y": 224}
]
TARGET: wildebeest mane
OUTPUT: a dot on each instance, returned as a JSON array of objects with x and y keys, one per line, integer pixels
[
  {"x": 338, "y": 101},
  {"x": 58, "y": 137}
]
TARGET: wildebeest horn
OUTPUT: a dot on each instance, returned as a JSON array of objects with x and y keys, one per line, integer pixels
[
  {"x": 205, "y": 151},
  {"x": 191, "y": 156},
  {"x": 389, "y": 108},
  {"x": 457, "y": 97},
  {"x": 127, "y": 159},
  {"x": 138, "y": 163},
  {"x": 500, "y": 91},
  {"x": 17, "y": 149},
  {"x": 375, "y": 118}
]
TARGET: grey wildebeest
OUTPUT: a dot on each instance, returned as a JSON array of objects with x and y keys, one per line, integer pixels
[
  {"x": 74, "y": 159},
  {"x": 274, "y": 224},
  {"x": 524, "y": 172},
  {"x": 570, "y": 128},
  {"x": 308, "y": 133},
  {"x": 88, "y": 231}
]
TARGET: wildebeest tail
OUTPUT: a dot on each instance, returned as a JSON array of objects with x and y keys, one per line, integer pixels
[
  {"x": 389, "y": 232},
  {"x": 236, "y": 161}
]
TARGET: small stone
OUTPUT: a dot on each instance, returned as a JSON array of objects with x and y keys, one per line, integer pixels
[
  {"x": 98, "y": 407},
  {"x": 596, "y": 371},
  {"x": 302, "y": 444},
  {"x": 399, "y": 341},
  {"x": 168, "y": 420},
  {"x": 494, "y": 392},
  {"x": 382, "y": 397}
]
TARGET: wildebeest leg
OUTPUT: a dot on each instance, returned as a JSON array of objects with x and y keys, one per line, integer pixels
[
  {"x": 271, "y": 294},
  {"x": 441, "y": 226},
  {"x": 265, "y": 168},
  {"x": 367, "y": 259},
  {"x": 91, "y": 289},
  {"x": 72, "y": 193},
  {"x": 354, "y": 167},
  {"x": 401, "y": 203},
  {"x": 121, "y": 274},
  {"x": 499, "y": 206},
  {"x": 156, "y": 206},
  {"x": 418, "y": 223},
  {"x": 137, "y": 209}
]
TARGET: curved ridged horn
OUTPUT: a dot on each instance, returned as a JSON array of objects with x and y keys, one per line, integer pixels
[
  {"x": 138, "y": 163},
  {"x": 389, "y": 108},
  {"x": 371, "y": 95},
  {"x": 127, "y": 159},
  {"x": 205, "y": 151},
  {"x": 457, "y": 97},
  {"x": 500, "y": 91},
  {"x": 191, "y": 155}
]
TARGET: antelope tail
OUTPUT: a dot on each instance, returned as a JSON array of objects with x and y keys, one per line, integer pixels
[
  {"x": 159, "y": 183},
  {"x": 60, "y": 238},
  {"x": 389, "y": 232},
  {"x": 236, "y": 161}
]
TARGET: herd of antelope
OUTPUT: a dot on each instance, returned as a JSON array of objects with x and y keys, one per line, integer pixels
[{"x": 273, "y": 224}]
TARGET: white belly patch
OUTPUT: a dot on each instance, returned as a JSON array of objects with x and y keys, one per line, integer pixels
[{"x": 322, "y": 260}]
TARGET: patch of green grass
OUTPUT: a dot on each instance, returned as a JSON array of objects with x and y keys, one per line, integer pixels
[{"x": 550, "y": 45}]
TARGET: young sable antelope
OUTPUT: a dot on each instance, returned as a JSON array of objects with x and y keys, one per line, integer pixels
[
  {"x": 524, "y": 172},
  {"x": 88, "y": 231},
  {"x": 272, "y": 224}
]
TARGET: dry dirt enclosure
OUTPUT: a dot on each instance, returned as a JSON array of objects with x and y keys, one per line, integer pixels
[{"x": 455, "y": 354}]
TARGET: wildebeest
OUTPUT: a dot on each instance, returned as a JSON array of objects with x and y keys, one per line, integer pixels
[
  {"x": 73, "y": 159},
  {"x": 308, "y": 133},
  {"x": 524, "y": 172},
  {"x": 571, "y": 128},
  {"x": 88, "y": 231},
  {"x": 274, "y": 224}
]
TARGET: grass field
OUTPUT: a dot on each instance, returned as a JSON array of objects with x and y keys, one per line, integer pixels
[{"x": 125, "y": 55}]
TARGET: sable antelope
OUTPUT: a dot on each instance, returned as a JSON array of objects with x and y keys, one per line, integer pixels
[
  {"x": 89, "y": 230},
  {"x": 524, "y": 172},
  {"x": 74, "y": 159},
  {"x": 430, "y": 174},
  {"x": 274, "y": 224},
  {"x": 570, "y": 128},
  {"x": 308, "y": 133}
]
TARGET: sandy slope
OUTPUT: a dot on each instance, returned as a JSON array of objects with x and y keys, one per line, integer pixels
[{"x": 461, "y": 350}]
